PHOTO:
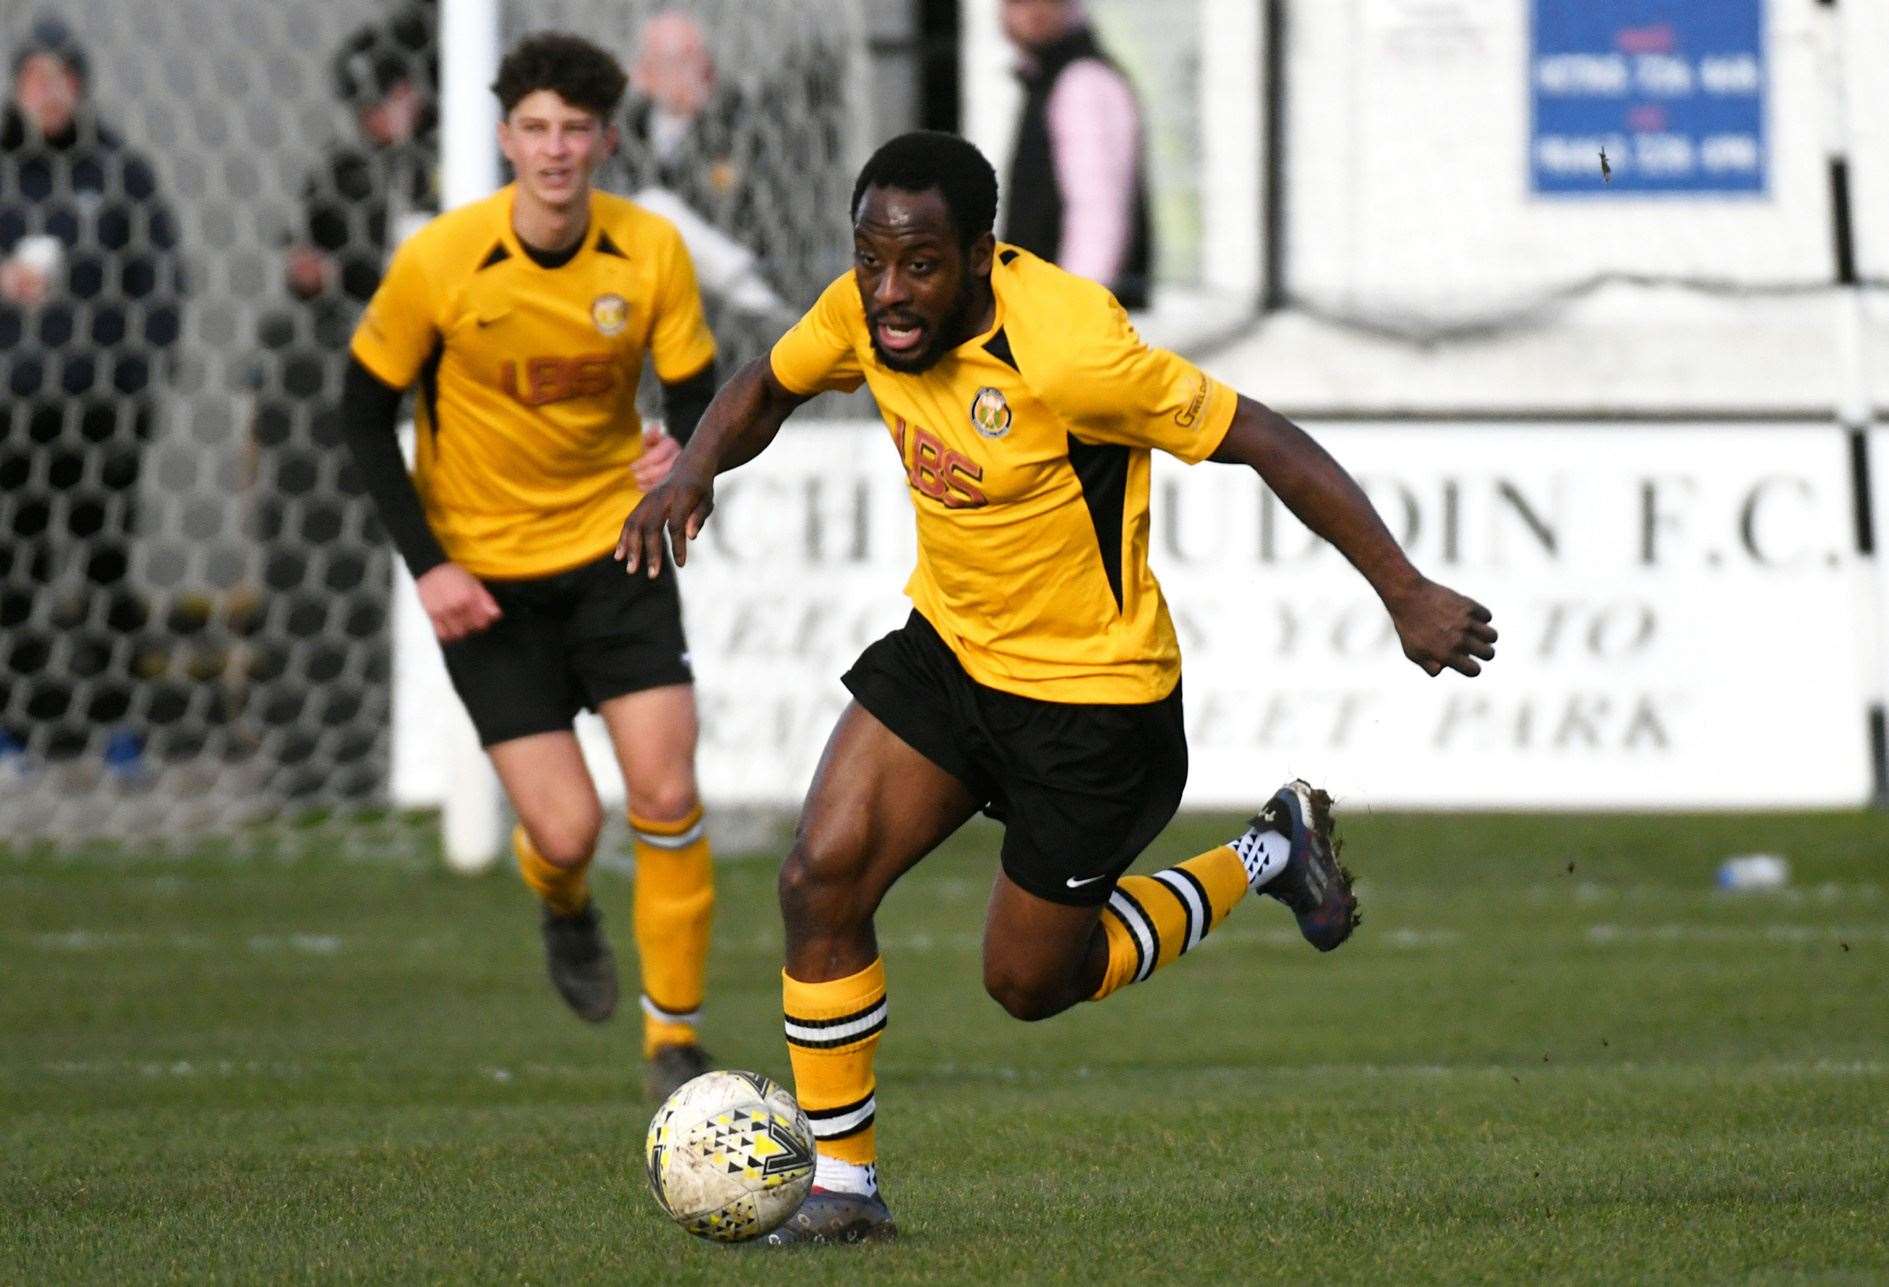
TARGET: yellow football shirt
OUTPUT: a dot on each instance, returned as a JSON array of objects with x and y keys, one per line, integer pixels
[
  {"x": 527, "y": 420},
  {"x": 1025, "y": 451}
]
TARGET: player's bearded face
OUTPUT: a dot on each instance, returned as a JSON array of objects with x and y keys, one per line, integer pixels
[
  {"x": 924, "y": 293},
  {"x": 554, "y": 146},
  {"x": 938, "y": 336}
]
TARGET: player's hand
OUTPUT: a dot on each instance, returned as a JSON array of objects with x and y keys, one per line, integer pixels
[
  {"x": 456, "y": 602},
  {"x": 659, "y": 453},
  {"x": 23, "y": 285},
  {"x": 674, "y": 511},
  {"x": 1442, "y": 629},
  {"x": 308, "y": 271}
]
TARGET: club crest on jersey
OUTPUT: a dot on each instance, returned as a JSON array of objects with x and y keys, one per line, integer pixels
[
  {"x": 990, "y": 414},
  {"x": 611, "y": 313}
]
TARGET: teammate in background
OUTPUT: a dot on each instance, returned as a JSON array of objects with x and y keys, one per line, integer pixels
[
  {"x": 1078, "y": 171},
  {"x": 1038, "y": 678},
  {"x": 524, "y": 318}
]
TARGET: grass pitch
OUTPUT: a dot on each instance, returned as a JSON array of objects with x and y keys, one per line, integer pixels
[{"x": 1551, "y": 1052}]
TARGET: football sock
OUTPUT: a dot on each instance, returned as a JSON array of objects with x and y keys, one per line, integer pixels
[
  {"x": 835, "y": 1176},
  {"x": 564, "y": 890},
  {"x": 1152, "y": 920},
  {"x": 675, "y": 900},
  {"x": 1265, "y": 845},
  {"x": 832, "y": 1034}
]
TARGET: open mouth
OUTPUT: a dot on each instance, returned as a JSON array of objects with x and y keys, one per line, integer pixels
[{"x": 899, "y": 337}]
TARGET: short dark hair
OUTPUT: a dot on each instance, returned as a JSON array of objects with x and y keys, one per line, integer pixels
[
  {"x": 582, "y": 74},
  {"x": 927, "y": 159},
  {"x": 380, "y": 55},
  {"x": 51, "y": 35}
]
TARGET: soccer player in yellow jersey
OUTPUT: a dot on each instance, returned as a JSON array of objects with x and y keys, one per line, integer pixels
[
  {"x": 1038, "y": 678},
  {"x": 524, "y": 318}
]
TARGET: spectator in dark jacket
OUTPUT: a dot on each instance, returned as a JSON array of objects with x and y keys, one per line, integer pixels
[
  {"x": 315, "y": 533},
  {"x": 91, "y": 289}
]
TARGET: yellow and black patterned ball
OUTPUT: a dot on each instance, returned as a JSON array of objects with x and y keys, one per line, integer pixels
[{"x": 730, "y": 1156}]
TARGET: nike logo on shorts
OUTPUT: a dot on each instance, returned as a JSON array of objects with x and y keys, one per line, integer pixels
[{"x": 1073, "y": 883}]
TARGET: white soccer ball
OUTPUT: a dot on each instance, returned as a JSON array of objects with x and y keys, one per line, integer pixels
[{"x": 730, "y": 1156}]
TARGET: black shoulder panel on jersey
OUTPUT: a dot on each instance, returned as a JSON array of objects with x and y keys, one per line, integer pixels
[
  {"x": 1102, "y": 469},
  {"x": 497, "y": 255},
  {"x": 429, "y": 384},
  {"x": 998, "y": 346},
  {"x": 1006, "y": 257},
  {"x": 605, "y": 246}
]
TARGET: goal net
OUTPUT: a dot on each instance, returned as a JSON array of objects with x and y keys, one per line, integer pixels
[
  {"x": 195, "y": 601},
  {"x": 1388, "y": 218}
]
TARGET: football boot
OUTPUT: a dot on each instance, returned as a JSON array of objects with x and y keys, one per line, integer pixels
[
  {"x": 1313, "y": 883},
  {"x": 672, "y": 1067},
  {"x": 830, "y": 1217},
  {"x": 580, "y": 962}
]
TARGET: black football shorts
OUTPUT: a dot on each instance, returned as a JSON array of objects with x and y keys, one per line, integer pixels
[
  {"x": 1081, "y": 789},
  {"x": 566, "y": 643}
]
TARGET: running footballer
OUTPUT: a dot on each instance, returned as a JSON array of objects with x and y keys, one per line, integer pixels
[
  {"x": 1038, "y": 678},
  {"x": 524, "y": 320}
]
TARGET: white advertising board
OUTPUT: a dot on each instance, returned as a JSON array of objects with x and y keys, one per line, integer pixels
[
  {"x": 1678, "y": 605},
  {"x": 1680, "y": 620}
]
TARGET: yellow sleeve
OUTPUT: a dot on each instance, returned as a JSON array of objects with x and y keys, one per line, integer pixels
[
  {"x": 400, "y": 328},
  {"x": 1116, "y": 389},
  {"x": 680, "y": 343},
  {"x": 819, "y": 354}
]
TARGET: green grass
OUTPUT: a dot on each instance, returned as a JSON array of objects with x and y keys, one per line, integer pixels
[{"x": 1552, "y": 1052}]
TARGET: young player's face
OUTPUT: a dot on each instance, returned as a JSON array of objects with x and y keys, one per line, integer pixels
[
  {"x": 924, "y": 293},
  {"x": 554, "y": 147}
]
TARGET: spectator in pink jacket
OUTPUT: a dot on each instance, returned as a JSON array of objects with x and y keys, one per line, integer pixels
[{"x": 1078, "y": 190}]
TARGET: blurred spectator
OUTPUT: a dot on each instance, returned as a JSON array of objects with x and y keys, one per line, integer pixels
[
  {"x": 314, "y": 529},
  {"x": 681, "y": 123},
  {"x": 680, "y": 155},
  {"x": 90, "y": 301},
  {"x": 1078, "y": 193}
]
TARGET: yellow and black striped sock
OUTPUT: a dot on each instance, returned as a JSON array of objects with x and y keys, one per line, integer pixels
[
  {"x": 1152, "y": 920},
  {"x": 832, "y": 1034},
  {"x": 675, "y": 901},
  {"x": 564, "y": 890}
]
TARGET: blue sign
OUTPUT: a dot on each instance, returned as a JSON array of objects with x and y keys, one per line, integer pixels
[{"x": 1671, "y": 90}]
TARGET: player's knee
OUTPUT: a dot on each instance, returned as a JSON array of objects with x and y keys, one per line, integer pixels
[
  {"x": 568, "y": 842},
  {"x": 816, "y": 882},
  {"x": 664, "y": 801},
  {"x": 1024, "y": 997}
]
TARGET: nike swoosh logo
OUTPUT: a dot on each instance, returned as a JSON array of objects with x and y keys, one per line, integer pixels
[{"x": 1073, "y": 883}]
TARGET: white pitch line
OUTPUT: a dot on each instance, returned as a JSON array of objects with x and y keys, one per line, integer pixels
[
  {"x": 304, "y": 942},
  {"x": 1610, "y": 935},
  {"x": 1010, "y": 1073}
]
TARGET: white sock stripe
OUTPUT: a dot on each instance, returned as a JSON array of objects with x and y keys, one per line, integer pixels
[
  {"x": 827, "y": 1033},
  {"x": 655, "y": 1011},
  {"x": 683, "y": 841},
  {"x": 1141, "y": 927},
  {"x": 1190, "y": 903},
  {"x": 827, "y": 1128}
]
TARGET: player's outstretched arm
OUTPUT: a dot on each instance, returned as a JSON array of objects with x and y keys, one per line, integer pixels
[
  {"x": 1439, "y": 627},
  {"x": 738, "y": 425}
]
